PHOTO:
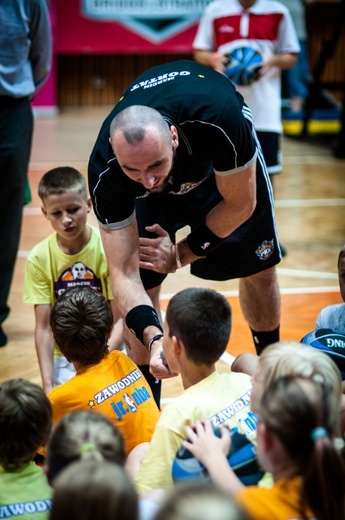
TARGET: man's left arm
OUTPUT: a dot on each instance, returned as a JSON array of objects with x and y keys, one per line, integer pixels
[{"x": 239, "y": 200}]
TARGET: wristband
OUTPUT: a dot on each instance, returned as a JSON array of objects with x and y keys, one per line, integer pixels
[
  {"x": 202, "y": 240},
  {"x": 155, "y": 338},
  {"x": 214, "y": 58},
  {"x": 178, "y": 259},
  {"x": 140, "y": 317}
]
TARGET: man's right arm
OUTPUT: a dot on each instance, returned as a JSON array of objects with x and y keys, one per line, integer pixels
[
  {"x": 44, "y": 344},
  {"x": 121, "y": 247}
]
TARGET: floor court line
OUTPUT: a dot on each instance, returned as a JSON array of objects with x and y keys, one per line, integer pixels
[
  {"x": 290, "y": 290},
  {"x": 290, "y": 203},
  {"x": 308, "y": 203}
]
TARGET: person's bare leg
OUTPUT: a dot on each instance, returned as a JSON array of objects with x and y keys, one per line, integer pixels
[
  {"x": 245, "y": 363},
  {"x": 260, "y": 303}
]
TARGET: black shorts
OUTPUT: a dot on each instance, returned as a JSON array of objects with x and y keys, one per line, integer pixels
[
  {"x": 270, "y": 144},
  {"x": 252, "y": 248}
]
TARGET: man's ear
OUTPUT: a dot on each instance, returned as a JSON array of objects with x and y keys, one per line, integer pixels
[
  {"x": 174, "y": 137},
  {"x": 44, "y": 212}
]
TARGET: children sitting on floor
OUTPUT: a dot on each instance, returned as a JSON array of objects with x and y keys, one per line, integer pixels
[
  {"x": 298, "y": 426},
  {"x": 105, "y": 382},
  {"x": 196, "y": 333},
  {"x": 25, "y": 423}
]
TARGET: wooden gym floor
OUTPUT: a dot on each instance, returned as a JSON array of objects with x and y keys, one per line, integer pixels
[{"x": 310, "y": 209}]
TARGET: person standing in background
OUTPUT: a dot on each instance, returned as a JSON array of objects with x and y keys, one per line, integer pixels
[
  {"x": 267, "y": 27},
  {"x": 25, "y": 60}
]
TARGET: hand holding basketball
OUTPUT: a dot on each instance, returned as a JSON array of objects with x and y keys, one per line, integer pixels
[
  {"x": 203, "y": 443},
  {"x": 244, "y": 66},
  {"x": 212, "y": 451}
]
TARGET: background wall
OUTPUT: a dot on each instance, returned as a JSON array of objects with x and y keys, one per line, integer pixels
[{"x": 101, "y": 46}]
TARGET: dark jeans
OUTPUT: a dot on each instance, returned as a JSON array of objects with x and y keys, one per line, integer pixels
[{"x": 16, "y": 126}]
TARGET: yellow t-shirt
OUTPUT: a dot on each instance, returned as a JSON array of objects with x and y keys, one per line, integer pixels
[
  {"x": 116, "y": 388},
  {"x": 280, "y": 502},
  {"x": 49, "y": 271},
  {"x": 223, "y": 397}
]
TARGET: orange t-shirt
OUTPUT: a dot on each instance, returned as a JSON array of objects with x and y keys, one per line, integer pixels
[
  {"x": 280, "y": 502},
  {"x": 116, "y": 388}
]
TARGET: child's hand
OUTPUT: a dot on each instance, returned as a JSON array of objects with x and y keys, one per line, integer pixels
[{"x": 204, "y": 444}]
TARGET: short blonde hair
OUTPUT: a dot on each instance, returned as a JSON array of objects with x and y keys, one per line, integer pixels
[{"x": 290, "y": 358}]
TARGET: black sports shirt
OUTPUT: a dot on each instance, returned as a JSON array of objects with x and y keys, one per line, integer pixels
[{"x": 214, "y": 127}]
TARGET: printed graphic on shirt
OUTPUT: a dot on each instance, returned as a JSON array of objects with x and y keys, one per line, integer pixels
[
  {"x": 158, "y": 80},
  {"x": 77, "y": 274},
  {"x": 129, "y": 396},
  {"x": 25, "y": 508},
  {"x": 184, "y": 188},
  {"x": 247, "y": 421}
]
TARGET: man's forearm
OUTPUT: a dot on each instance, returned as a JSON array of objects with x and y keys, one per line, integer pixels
[{"x": 219, "y": 224}]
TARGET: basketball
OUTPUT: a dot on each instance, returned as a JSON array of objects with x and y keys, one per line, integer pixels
[
  {"x": 331, "y": 342},
  {"x": 242, "y": 459},
  {"x": 244, "y": 65}
]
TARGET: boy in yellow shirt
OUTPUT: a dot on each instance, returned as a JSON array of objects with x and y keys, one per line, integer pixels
[
  {"x": 196, "y": 333},
  {"x": 72, "y": 255}
]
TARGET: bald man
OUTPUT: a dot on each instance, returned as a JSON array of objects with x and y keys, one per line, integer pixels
[{"x": 179, "y": 149}]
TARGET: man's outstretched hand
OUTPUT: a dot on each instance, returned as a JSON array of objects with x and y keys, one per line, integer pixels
[{"x": 158, "y": 366}]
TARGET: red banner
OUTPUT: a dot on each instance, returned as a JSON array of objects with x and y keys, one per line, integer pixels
[{"x": 126, "y": 26}]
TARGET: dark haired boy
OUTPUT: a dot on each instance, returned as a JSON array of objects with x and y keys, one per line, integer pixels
[
  {"x": 25, "y": 424},
  {"x": 105, "y": 382},
  {"x": 196, "y": 333}
]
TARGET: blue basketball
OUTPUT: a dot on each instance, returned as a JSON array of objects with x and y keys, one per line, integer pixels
[
  {"x": 331, "y": 342},
  {"x": 242, "y": 459},
  {"x": 244, "y": 65}
]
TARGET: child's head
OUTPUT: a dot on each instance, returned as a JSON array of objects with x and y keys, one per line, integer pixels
[
  {"x": 65, "y": 202},
  {"x": 199, "y": 502},
  {"x": 201, "y": 320},
  {"x": 81, "y": 321},
  {"x": 25, "y": 421},
  {"x": 61, "y": 180},
  {"x": 303, "y": 416},
  {"x": 83, "y": 436},
  {"x": 287, "y": 358},
  {"x": 291, "y": 407},
  {"x": 94, "y": 489},
  {"x": 341, "y": 272}
]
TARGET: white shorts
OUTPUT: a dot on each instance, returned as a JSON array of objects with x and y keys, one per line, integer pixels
[{"x": 63, "y": 370}]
